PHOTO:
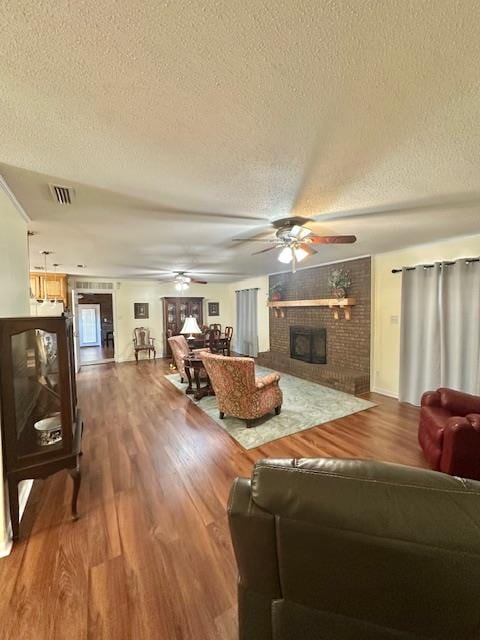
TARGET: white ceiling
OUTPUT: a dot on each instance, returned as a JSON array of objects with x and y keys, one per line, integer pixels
[{"x": 184, "y": 124}]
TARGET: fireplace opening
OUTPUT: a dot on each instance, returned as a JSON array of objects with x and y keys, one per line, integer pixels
[{"x": 308, "y": 344}]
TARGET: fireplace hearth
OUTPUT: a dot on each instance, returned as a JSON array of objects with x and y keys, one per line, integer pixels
[{"x": 308, "y": 344}]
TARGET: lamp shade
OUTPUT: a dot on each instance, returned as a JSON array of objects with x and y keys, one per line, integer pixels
[{"x": 190, "y": 326}]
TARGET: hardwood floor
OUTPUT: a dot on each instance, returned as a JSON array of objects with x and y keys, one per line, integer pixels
[
  {"x": 150, "y": 556},
  {"x": 90, "y": 355}
]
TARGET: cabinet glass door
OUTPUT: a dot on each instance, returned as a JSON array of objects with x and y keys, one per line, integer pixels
[
  {"x": 195, "y": 311},
  {"x": 172, "y": 317},
  {"x": 37, "y": 395},
  {"x": 182, "y": 314}
]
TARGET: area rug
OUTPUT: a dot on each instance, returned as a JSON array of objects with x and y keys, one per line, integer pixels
[{"x": 305, "y": 405}]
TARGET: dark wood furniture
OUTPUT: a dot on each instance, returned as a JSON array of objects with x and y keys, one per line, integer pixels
[
  {"x": 227, "y": 340},
  {"x": 195, "y": 364},
  {"x": 175, "y": 311},
  {"x": 216, "y": 326},
  {"x": 143, "y": 342},
  {"x": 214, "y": 341},
  {"x": 37, "y": 381},
  {"x": 219, "y": 343},
  {"x": 108, "y": 337}
]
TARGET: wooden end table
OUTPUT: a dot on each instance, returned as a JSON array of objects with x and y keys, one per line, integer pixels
[{"x": 195, "y": 364}]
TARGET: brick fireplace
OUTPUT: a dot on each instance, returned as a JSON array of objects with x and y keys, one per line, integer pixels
[
  {"x": 346, "y": 362},
  {"x": 308, "y": 344}
]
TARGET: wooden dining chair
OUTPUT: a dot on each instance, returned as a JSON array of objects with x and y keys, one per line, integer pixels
[
  {"x": 227, "y": 340},
  {"x": 217, "y": 327},
  {"x": 142, "y": 341},
  {"x": 214, "y": 341}
]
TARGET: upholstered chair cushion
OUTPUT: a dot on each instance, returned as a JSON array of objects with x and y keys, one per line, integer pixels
[{"x": 238, "y": 392}]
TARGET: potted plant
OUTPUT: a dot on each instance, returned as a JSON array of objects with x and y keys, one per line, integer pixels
[
  {"x": 339, "y": 281},
  {"x": 276, "y": 291}
]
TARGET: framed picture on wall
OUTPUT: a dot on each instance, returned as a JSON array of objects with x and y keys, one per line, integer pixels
[
  {"x": 213, "y": 308},
  {"x": 140, "y": 310}
]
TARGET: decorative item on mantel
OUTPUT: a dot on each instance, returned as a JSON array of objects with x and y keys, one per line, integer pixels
[
  {"x": 339, "y": 281},
  {"x": 276, "y": 291}
]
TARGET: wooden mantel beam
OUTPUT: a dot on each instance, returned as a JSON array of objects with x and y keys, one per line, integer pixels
[{"x": 278, "y": 306}]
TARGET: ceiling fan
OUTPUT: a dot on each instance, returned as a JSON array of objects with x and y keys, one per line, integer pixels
[
  {"x": 295, "y": 240},
  {"x": 182, "y": 280}
]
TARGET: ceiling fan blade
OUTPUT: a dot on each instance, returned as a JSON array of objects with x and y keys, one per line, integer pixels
[
  {"x": 263, "y": 250},
  {"x": 198, "y": 281},
  {"x": 306, "y": 247},
  {"x": 331, "y": 239}
]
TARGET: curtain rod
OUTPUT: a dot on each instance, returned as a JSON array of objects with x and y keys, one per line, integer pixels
[
  {"x": 430, "y": 266},
  {"x": 250, "y": 289}
]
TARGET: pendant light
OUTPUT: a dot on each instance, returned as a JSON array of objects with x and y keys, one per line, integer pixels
[
  {"x": 44, "y": 302},
  {"x": 56, "y": 281},
  {"x": 33, "y": 299}
]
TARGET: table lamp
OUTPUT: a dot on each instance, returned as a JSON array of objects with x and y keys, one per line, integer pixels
[{"x": 190, "y": 326}]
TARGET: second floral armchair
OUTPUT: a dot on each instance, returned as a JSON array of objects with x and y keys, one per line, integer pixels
[{"x": 239, "y": 393}]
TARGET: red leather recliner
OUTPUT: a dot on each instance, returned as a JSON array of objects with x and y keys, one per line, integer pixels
[{"x": 449, "y": 432}]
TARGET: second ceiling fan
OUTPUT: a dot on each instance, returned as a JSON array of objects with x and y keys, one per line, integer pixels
[
  {"x": 295, "y": 240},
  {"x": 182, "y": 280}
]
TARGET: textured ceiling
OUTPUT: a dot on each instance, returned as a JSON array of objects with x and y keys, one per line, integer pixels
[{"x": 160, "y": 113}]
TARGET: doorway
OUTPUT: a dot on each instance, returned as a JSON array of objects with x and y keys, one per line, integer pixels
[{"x": 95, "y": 328}]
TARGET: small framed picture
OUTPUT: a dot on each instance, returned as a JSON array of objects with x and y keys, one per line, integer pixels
[
  {"x": 140, "y": 310},
  {"x": 213, "y": 308}
]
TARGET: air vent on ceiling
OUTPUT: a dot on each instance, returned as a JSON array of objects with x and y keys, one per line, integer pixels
[
  {"x": 79, "y": 284},
  {"x": 62, "y": 195}
]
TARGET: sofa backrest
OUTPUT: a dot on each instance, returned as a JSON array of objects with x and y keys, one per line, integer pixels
[
  {"x": 459, "y": 403},
  {"x": 179, "y": 346},
  {"x": 362, "y": 550},
  {"x": 230, "y": 376}
]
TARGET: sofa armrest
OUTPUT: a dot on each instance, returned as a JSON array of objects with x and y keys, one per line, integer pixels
[
  {"x": 461, "y": 446},
  {"x": 459, "y": 403},
  {"x": 431, "y": 399},
  {"x": 254, "y": 543},
  {"x": 474, "y": 419},
  {"x": 270, "y": 378}
]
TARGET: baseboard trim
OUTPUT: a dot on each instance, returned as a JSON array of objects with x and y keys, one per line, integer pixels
[
  {"x": 23, "y": 495},
  {"x": 132, "y": 359},
  {"x": 384, "y": 392}
]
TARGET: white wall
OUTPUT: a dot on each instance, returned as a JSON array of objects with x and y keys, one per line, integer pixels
[
  {"x": 127, "y": 292},
  {"x": 131, "y": 291},
  {"x": 14, "y": 301},
  {"x": 387, "y": 300},
  {"x": 260, "y": 282}
]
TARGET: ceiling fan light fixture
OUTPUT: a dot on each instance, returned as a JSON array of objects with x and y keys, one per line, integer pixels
[
  {"x": 300, "y": 254},
  {"x": 286, "y": 255},
  {"x": 181, "y": 286}
]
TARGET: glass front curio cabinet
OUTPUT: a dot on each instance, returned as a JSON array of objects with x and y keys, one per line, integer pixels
[
  {"x": 41, "y": 423},
  {"x": 175, "y": 312}
]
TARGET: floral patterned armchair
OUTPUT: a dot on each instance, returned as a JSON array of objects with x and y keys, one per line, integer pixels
[
  {"x": 239, "y": 393},
  {"x": 179, "y": 347}
]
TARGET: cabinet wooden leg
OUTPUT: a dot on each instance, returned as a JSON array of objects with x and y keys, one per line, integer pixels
[
  {"x": 76, "y": 475},
  {"x": 14, "y": 512}
]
